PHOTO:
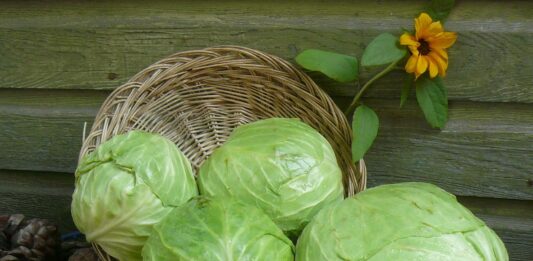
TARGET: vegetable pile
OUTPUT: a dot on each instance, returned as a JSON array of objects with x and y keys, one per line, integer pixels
[{"x": 137, "y": 198}]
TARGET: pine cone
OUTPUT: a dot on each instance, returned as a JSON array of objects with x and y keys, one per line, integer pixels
[
  {"x": 68, "y": 248},
  {"x": 33, "y": 239},
  {"x": 12, "y": 224},
  {"x": 21, "y": 253},
  {"x": 84, "y": 254}
]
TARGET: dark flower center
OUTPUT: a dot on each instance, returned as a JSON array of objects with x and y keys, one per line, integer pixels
[{"x": 424, "y": 47}]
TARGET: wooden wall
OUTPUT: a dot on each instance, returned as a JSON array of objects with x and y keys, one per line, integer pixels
[{"x": 59, "y": 60}]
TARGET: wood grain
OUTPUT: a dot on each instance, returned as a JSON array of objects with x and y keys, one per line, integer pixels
[
  {"x": 38, "y": 194},
  {"x": 485, "y": 150},
  {"x": 99, "y": 46},
  {"x": 48, "y": 195},
  {"x": 43, "y": 130}
]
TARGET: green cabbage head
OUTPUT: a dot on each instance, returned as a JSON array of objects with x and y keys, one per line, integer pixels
[
  {"x": 127, "y": 185},
  {"x": 406, "y": 221},
  {"x": 283, "y": 166},
  {"x": 217, "y": 229}
]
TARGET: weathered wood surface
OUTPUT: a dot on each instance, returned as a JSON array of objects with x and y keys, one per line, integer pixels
[
  {"x": 43, "y": 130},
  {"x": 38, "y": 194},
  {"x": 48, "y": 195},
  {"x": 98, "y": 46},
  {"x": 485, "y": 150}
]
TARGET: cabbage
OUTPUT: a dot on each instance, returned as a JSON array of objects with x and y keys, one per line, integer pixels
[
  {"x": 283, "y": 166},
  {"x": 406, "y": 221},
  {"x": 127, "y": 185},
  {"x": 217, "y": 229}
]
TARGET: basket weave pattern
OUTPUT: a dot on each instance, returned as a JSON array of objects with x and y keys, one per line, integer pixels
[{"x": 196, "y": 99}]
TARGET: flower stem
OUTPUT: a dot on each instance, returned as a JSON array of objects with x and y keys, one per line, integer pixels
[{"x": 355, "y": 100}]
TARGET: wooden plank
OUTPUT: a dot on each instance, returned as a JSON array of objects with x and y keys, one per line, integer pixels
[
  {"x": 99, "y": 46},
  {"x": 38, "y": 194},
  {"x": 48, "y": 195},
  {"x": 43, "y": 130},
  {"x": 485, "y": 150}
]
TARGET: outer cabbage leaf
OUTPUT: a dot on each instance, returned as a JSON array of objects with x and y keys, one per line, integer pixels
[
  {"x": 283, "y": 166},
  {"x": 127, "y": 185},
  {"x": 217, "y": 229},
  {"x": 406, "y": 221}
]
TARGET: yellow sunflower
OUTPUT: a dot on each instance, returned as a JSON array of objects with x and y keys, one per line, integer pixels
[{"x": 428, "y": 47}]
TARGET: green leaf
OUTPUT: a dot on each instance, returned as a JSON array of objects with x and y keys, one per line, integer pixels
[
  {"x": 407, "y": 85},
  {"x": 339, "y": 67},
  {"x": 365, "y": 126},
  {"x": 382, "y": 50},
  {"x": 440, "y": 9},
  {"x": 433, "y": 100}
]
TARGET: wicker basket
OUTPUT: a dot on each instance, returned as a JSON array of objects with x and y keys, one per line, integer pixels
[{"x": 196, "y": 99}]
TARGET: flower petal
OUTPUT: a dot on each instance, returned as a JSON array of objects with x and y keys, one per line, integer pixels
[
  {"x": 407, "y": 39},
  {"x": 441, "y": 63},
  {"x": 442, "y": 40},
  {"x": 435, "y": 28},
  {"x": 441, "y": 52},
  {"x": 414, "y": 50},
  {"x": 421, "y": 24},
  {"x": 421, "y": 66},
  {"x": 410, "y": 66},
  {"x": 433, "y": 68}
]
